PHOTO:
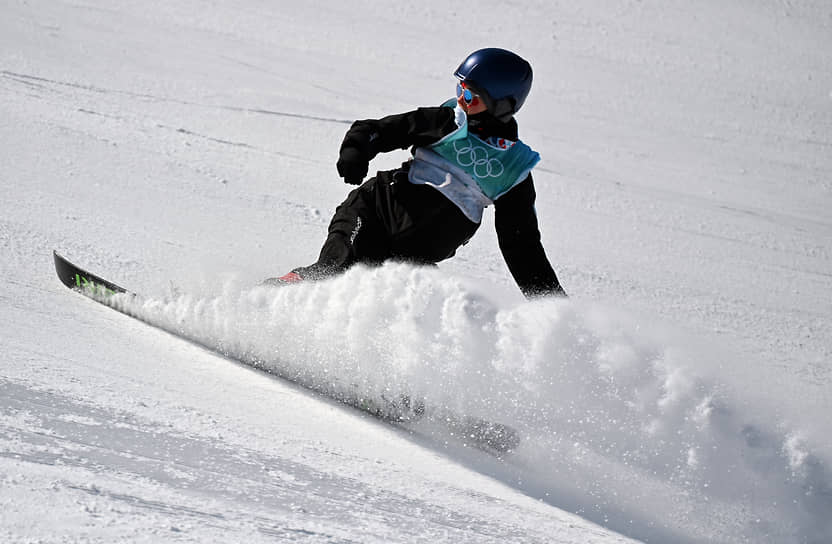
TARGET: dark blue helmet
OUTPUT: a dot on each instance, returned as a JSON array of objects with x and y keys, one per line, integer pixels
[{"x": 501, "y": 77}]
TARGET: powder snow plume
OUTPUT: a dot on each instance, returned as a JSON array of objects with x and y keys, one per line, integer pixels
[{"x": 618, "y": 424}]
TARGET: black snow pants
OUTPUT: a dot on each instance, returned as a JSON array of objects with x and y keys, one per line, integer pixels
[{"x": 389, "y": 218}]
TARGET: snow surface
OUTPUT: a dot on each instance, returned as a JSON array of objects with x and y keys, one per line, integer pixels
[{"x": 186, "y": 150}]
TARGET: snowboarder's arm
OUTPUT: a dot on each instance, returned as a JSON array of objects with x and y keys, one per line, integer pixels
[
  {"x": 367, "y": 138},
  {"x": 519, "y": 239}
]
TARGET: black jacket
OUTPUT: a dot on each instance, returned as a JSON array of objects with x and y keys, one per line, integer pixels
[{"x": 515, "y": 216}]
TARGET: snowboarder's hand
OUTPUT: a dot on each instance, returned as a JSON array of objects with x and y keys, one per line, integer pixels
[{"x": 352, "y": 166}]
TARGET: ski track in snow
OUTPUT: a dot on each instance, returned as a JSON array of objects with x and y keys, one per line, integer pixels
[{"x": 271, "y": 494}]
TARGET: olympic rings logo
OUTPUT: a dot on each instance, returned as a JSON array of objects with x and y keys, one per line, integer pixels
[{"x": 477, "y": 157}]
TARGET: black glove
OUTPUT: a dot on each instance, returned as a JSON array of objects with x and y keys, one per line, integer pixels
[{"x": 352, "y": 166}]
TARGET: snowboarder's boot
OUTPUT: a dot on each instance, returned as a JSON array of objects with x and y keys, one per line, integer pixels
[{"x": 291, "y": 277}]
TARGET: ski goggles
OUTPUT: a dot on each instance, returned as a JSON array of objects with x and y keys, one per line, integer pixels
[{"x": 466, "y": 94}]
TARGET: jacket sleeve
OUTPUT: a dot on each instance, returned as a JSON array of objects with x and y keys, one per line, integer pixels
[
  {"x": 419, "y": 127},
  {"x": 519, "y": 239}
]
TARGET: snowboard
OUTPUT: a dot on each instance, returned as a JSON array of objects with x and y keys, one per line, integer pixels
[{"x": 487, "y": 435}]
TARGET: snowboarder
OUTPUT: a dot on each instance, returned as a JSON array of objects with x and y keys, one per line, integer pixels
[{"x": 466, "y": 156}]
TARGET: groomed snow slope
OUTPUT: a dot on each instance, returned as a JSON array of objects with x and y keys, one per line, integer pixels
[{"x": 186, "y": 150}]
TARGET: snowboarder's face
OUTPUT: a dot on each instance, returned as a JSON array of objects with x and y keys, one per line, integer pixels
[{"x": 469, "y": 101}]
